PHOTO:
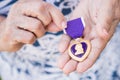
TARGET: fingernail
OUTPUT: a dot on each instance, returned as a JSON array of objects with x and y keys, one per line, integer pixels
[{"x": 64, "y": 24}]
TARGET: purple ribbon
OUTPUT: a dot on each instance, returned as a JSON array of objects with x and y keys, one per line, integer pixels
[{"x": 75, "y": 28}]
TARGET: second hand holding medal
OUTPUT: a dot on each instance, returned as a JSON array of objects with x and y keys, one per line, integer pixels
[{"x": 79, "y": 48}]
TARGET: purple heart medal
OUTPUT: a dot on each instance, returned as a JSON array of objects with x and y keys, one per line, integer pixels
[{"x": 79, "y": 48}]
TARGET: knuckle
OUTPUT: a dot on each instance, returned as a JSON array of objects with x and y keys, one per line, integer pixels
[
  {"x": 43, "y": 9},
  {"x": 47, "y": 20},
  {"x": 40, "y": 35},
  {"x": 37, "y": 27},
  {"x": 30, "y": 39}
]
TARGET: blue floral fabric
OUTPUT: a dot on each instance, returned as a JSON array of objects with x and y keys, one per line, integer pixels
[{"x": 38, "y": 61}]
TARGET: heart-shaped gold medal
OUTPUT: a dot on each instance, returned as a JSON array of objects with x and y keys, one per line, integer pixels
[{"x": 79, "y": 49}]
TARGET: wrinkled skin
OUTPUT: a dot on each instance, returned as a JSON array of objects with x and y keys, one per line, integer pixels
[
  {"x": 101, "y": 18},
  {"x": 28, "y": 20}
]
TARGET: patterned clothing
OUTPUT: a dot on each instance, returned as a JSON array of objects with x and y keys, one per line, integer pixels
[{"x": 38, "y": 61}]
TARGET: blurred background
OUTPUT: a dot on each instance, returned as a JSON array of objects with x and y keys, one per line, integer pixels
[{"x": 39, "y": 61}]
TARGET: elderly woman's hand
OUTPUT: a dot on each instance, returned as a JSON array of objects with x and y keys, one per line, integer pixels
[
  {"x": 101, "y": 18},
  {"x": 28, "y": 20}
]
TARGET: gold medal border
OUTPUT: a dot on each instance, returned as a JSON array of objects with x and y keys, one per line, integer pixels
[{"x": 86, "y": 53}]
